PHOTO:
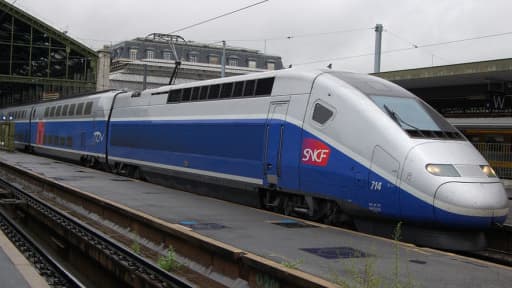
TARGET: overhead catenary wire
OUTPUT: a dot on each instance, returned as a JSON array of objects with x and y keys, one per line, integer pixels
[
  {"x": 217, "y": 17},
  {"x": 291, "y": 36},
  {"x": 415, "y": 46}
]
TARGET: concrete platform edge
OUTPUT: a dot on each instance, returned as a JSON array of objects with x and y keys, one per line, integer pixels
[{"x": 28, "y": 272}]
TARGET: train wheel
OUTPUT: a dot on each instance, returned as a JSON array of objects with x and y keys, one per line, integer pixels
[{"x": 288, "y": 206}]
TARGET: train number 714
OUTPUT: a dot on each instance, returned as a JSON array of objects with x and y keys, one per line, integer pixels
[{"x": 376, "y": 186}]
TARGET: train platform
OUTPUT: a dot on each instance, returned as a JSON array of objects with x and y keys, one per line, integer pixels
[
  {"x": 508, "y": 186},
  {"x": 15, "y": 270},
  {"x": 335, "y": 254}
]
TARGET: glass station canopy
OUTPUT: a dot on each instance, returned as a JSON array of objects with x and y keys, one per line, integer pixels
[{"x": 38, "y": 62}]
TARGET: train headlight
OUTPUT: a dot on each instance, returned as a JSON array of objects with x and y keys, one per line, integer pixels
[
  {"x": 488, "y": 171},
  {"x": 444, "y": 170}
]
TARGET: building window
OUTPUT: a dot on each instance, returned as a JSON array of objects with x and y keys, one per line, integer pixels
[
  {"x": 213, "y": 59},
  {"x": 133, "y": 54},
  {"x": 233, "y": 62},
  {"x": 271, "y": 66},
  {"x": 167, "y": 55},
  {"x": 150, "y": 54},
  {"x": 192, "y": 58},
  {"x": 251, "y": 63}
]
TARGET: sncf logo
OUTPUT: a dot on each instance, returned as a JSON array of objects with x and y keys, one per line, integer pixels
[{"x": 315, "y": 152}]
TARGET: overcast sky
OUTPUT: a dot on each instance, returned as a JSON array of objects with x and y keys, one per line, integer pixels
[{"x": 311, "y": 24}]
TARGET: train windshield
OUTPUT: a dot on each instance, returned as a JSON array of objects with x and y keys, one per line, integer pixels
[{"x": 416, "y": 118}]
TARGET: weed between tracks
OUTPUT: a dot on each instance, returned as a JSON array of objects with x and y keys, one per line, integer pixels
[
  {"x": 169, "y": 262},
  {"x": 136, "y": 247},
  {"x": 367, "y": 277}
]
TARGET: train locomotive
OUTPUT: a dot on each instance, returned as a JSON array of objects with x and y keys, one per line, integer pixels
[{"x": 324, "y": 144}]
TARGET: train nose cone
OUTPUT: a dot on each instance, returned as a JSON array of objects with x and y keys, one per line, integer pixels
[{"x": 476, "y": 205}]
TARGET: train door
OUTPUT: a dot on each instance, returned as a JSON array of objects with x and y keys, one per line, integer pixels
[
  {"x": 382, "y": 180},
  {"x": 274, "y": 141}
]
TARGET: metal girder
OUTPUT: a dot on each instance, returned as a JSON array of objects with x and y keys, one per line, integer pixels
[
  {"x": 43, "y": 81},
  {"x": 52, "y": 32}
]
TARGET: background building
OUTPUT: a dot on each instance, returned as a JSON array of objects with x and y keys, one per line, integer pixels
[
  {"x": 152, "y": 59},
  {"x": 475, "y": 97},
  {"x": 38, "y": 62}
]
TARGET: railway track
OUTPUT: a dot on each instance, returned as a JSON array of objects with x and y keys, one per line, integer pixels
[
  {"x": 499, "y": 248},
  {"x": 56, "y": 276},
  {"x": 130, "y": 267}
]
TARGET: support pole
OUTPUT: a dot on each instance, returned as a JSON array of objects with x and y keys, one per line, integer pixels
[
  {"x": 145, "y": 78},
  {"x": 223, "y": 60},
  {"x": 378, "y": 41}
]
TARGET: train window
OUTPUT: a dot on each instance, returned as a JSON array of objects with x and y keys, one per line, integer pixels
[
  {"x": 321, "y": 114},
  {"x": 203, "y": 94},
  {"x": 52, "y": 111},
  {"x": 65, "y": 110},
  {"x": 249, "y": 88},
  {"x": 88, "y": 108},
  {"x": 71, "y": 110},
  {"x": 213, "y": 93},
  {"x": 174, "y": 96},
  {"x": 69, "y": 141},
  {"x": 62, "y": 141},
  {"x": 238, "y": 91},
  {"x": 57, "y": 112},
  {"x": 226, "y": 90},
  {"x": 195, "y": 94},
  {"x": 79, "y": 109},
  {"x": 46, "y": 111},
  {"x": 45, "y": 139},
  {"x": 186, "y": 94},
  {"x": 264, "y": 86},
  {"x": 55, "y": 140},
  {"x": 24, "y": 115}
]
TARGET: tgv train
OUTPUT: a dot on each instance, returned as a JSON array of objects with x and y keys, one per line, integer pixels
[{"x": 325, "y": 144}]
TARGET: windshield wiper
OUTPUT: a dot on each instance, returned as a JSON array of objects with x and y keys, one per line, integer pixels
[{"x": 400, "y": 121}]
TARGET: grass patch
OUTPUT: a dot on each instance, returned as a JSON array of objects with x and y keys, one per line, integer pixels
[
  {"x": 169, "y": 262},
  {"x": 366, "y": 276}
]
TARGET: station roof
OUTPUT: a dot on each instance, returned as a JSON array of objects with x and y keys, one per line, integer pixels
[
  {"x": 483, "y": 72},
  {"x": 53, "y": 32}
]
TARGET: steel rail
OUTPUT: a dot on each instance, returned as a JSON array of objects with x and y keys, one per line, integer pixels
[
  {"x": 49, "y": 268},
  {"x": 136, "y": 263}
]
